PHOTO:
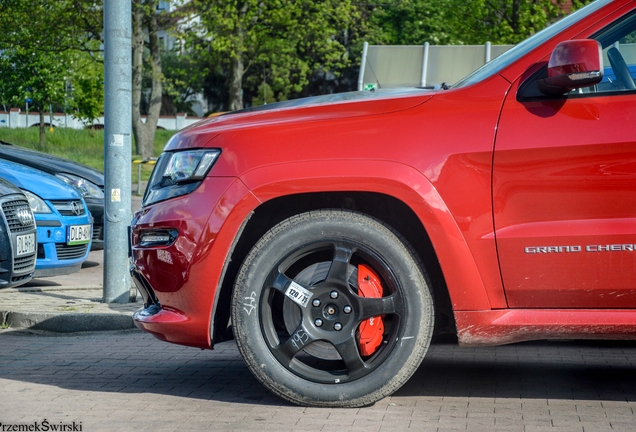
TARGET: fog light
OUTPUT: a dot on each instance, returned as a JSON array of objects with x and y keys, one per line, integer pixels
[{"x": 157, "y": 238}]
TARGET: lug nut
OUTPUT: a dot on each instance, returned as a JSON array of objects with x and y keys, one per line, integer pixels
[
  {"x": 316, "y": 303},
  {"x": 333, "y": 294},
  {"x": 318, "y": 322},
  {"x": 337, "y": 326},
  {"x": 347, "y": 309}
]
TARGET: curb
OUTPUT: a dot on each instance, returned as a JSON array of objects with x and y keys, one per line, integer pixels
[
  {"x": 32, "y": 289},
  {"x": 65, "y": 323}
]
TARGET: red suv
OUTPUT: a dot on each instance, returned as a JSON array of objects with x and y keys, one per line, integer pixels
[{"x": 333, "y": 236}]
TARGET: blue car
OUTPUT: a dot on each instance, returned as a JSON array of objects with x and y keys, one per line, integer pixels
[{"x": 64, "y": 224}]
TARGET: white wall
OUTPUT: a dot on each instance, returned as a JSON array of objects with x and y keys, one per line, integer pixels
[{"x": 19, "y": 119}]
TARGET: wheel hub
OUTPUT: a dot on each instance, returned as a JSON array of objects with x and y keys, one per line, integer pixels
[{"x": 331, "y": 311}]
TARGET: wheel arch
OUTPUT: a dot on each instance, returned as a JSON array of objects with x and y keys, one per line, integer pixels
[{"x": 409, "y": 205}]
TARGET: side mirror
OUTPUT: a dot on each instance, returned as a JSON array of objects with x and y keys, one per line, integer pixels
[{"x": 573, "y": 64}]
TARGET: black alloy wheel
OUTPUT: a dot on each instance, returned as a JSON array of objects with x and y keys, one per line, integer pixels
[{"x": 300, "y": 315}]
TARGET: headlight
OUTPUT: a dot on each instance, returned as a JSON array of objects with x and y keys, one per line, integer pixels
[
  {"x": 179, "y": 173},
  {"x": 189, "y": 165},
  {"x": 87, "y": 188},
  {"x": 36, "y": 203}
]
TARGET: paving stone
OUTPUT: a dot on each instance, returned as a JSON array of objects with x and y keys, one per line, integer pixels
[{"x": 120, "y": 380}]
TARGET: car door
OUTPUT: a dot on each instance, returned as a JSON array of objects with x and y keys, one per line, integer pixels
[{"x": 564, "y": 188}]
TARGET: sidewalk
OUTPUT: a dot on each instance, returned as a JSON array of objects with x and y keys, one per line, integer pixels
[{"x": 70, "y": 303}]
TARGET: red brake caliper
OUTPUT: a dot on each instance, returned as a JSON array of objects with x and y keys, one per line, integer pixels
[{"x": 372, "y": 329}]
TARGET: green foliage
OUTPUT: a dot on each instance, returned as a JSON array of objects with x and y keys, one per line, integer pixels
[
  {"x": 54, "y": 26},
  {"x": 32, "y": 74},
  {"x": 412, "y": 22},
  {"x": 462, "y": 21},
  {"x": 503, "y": 21},
  {"x": 265, "y": 95},
  {"x": 68, "y": 79},
  {"x": 86, "y": 88},
  {"x": 184, "y": 77},
  {"x": 45, "y": 48},
  {"x": 291, "y": 42}
]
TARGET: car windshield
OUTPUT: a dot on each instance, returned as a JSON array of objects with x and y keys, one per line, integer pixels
[{"x": 529, "y": 44}]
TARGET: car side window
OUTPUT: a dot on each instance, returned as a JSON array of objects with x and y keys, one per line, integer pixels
[{"x": 619, "y": 57}]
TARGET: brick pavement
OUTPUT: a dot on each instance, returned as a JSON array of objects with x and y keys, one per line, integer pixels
[{"x": 124, "y": 381}]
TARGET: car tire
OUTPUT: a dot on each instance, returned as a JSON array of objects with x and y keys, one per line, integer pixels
[{"x": 300, "y": 315}]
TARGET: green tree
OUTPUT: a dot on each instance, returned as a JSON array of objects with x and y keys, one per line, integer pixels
[
  {"x": 502, "y": 21},
  {"x": 462, "y": 21},
  {"x": 291, "y": 40},
  {"x": 53, "y": 26},
  {"x": 412, "y": 22},
  {"x": 44, "y": 46},
  {"x": 37, "y": 77},
  {"x": 265, "y": 95},
  {"x": 87, "y": 88},
  {"x": 184, "y": 77}
]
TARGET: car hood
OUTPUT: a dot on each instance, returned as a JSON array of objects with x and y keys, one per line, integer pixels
[
  {"x": 336, "y": 98},
  {"x": 340, "y": 105},
  {"x": 38, "y": 182},
  {"x": 49, "y": 163}
]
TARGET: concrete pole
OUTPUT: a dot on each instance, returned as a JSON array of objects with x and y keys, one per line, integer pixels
[
  {"x": 363, "y": 65},
  {"x": 424, "y": 64},
  {"x": 117, "y": 148}
]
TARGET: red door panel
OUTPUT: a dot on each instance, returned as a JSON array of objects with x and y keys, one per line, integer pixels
[{"x": 565, "y": 202}]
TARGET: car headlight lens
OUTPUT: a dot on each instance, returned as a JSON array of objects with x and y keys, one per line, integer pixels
[
  {"x": 36, "y": 203},
  {"x": 87, "y": 188},
  {"x": 179, "y": 173},
  {"x": 189, "y": 165}
]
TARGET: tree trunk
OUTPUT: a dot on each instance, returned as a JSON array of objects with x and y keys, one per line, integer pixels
[
  {"x": 144, "y": 132},
  {"x": 237, "y": 66},
  {"x": 515, "y": 18},
  {"x": 236, "y": 84}
]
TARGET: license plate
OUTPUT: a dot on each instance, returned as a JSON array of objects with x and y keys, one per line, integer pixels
[
  {"x": 25, "y": 244},
  {"x": 79, "y": 234}
]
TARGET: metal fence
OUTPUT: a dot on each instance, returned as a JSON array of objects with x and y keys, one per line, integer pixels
[{"x": 388, "y": 66}]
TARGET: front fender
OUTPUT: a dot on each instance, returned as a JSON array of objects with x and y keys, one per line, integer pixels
[{"x": 463, "y": 277}]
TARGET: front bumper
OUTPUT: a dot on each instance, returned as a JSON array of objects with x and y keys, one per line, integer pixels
[
  {"x": 152, "y": 315},
  {"x": 179, "y": 280},
  {"x": 54, "y": 256}
]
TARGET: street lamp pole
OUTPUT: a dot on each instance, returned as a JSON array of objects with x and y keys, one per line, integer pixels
[{"x": 117, "y": 148}]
